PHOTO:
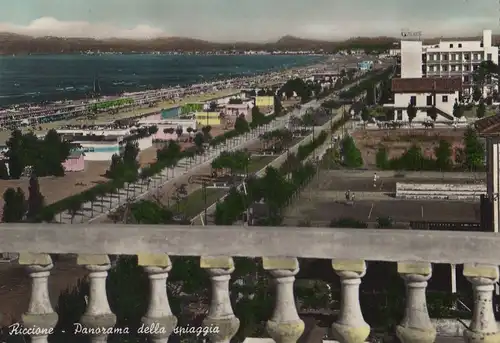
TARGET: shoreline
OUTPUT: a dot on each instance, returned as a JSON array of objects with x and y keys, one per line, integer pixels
[{"x": 183, "y": 85}]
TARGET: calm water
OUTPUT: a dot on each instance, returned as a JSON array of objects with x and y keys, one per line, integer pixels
[{"x": 56, "y": 77}]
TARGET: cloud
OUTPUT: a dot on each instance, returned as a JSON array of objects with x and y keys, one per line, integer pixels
[{"x": 48, "y": 26}]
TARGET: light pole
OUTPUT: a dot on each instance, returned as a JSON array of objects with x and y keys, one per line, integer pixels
[{"x": 193, "y": 179}]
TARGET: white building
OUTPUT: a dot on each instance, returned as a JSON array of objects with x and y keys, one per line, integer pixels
[
  {"x": 423, "y": 93},
  {"x": 459, "y": 58},
  {"x": 449, "y": 59}
]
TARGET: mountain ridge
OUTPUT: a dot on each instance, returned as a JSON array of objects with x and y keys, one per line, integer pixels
[{"x": 12, "y": 43}]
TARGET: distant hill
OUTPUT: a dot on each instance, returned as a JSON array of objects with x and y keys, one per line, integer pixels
[{"x": 20, "y": 44}]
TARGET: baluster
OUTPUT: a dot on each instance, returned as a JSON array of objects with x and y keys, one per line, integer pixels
[
  {"x": 483, "y": 327},
  {"x": 285, "y": 326},
  {"x": 220, "y": 316},
  {"x": 40, "y": 317},
  {"x": 98, "y": 316},
  {"x": 416, "y": 326},
  {"x": 350, "y": 326},
  {"x": 159, "y": 320}
]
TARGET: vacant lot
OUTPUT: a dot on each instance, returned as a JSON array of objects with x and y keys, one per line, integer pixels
[{"x": 398, "y": 141}]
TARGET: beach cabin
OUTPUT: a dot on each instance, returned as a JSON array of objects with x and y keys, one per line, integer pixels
[
  {"x": 75, "y": 162},
  {"x": 208, "y": 118}
]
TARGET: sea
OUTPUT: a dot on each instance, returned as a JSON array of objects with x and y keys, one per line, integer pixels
[{"x": 37, "y": 78}]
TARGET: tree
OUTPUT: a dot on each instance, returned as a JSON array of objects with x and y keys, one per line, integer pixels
[
  {"x": 35, "y": 199},
  {"x": 116, "y": 168},
  {"x": 481, "y": 110},
  {"x": 473, "y": 150},
  {"x": 457, "y": 111},
  {"x": 477, "y": 94},
  {"x": 432, "y": 112},
  {"x": 365, "y": 114},
  {"x": 14, "y": 207},
  {"x": 15, "y": 154},
  {"x": 411, "y": 111},
  {"x": 198, "y": 141},
  {"x": 352, "y": 155},
  {"x": 241, "y": 125},
  {"x": 178, "y": 131},
  {"x": 382, "y": 158},
  {"x": 443, "y": 155}
]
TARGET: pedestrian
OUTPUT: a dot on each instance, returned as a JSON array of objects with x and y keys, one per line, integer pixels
[
  {"x": 348, "y": 195},
  {"x": 352, "y": 198},
  {"x": 375, "y": 178}
]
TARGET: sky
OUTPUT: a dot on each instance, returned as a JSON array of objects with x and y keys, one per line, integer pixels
[{"x": 255, "y": 20}]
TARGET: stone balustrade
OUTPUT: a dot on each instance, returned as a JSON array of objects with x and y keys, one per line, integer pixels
[
  {"x": 440, "y": 191},
  {"x": 279, "y": 247}
]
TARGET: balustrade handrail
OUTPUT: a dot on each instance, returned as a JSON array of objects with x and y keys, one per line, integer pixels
[{"x": 307, "y": 242}]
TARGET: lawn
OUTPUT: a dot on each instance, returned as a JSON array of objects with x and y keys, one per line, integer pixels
[
  {"x": 259, "y": 162},
  {"x": 194, "y": 203}
]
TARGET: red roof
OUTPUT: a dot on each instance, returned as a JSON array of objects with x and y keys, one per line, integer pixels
[
  {"x": 489, "y": 126},
  {"x": 427, "y": 85}
]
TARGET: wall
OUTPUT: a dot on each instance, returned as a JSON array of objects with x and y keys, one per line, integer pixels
[
  {"x": 234, "y": 110},
  {"x": 439, "y": 191},
  {"x": 264, "y": 101},
  {"x": 213, "y": 118},
  {"x": 74, "y": 164},
  {"x": 492, "y": 178},
  {"x": 403, "y": 99},
  {"x": 411, "y": 59}
]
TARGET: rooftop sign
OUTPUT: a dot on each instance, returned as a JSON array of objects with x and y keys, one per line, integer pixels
[{"x": 412, "y": 35}]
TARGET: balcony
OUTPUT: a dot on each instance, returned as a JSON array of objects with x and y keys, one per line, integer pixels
[{"x": 413, "y": 252}]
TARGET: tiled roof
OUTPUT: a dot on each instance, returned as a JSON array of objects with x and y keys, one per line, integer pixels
[
  {"x": 489, "y": 126},
  {"x": 426, "y": 85}
]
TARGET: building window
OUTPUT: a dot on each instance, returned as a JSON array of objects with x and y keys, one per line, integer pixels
[
  {"x": 466, "y": 78},
  {"x": 451, "y": 45},
  {"x": 400, "y": 115},
  {"x": 489, "y": 57},
  {"x": 459, "y": 45},
  {"x": 467, "y": 67},
  {"x": 466, "y": 57},
  {"x": 445, "y": 57},
  {"x": 475, "y": 67},
  {"x": 445, "y": 68},
  {"x": 444, "y": 98},
  {"x": 413, "y": 100},
  {"x": 453, "y": 57},
  {"x": 482, "y": 45},
  {"x": 429, "y": 100},
  {"x": 453, "y": 68}
]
